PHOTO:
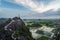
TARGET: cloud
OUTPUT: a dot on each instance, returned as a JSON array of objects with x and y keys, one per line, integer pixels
[
  {"x": 38, "y": 6},
  {"x": 10, "y": 12}
]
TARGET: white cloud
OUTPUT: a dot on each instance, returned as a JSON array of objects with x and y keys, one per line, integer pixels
[{"x": 39, "y": 8}]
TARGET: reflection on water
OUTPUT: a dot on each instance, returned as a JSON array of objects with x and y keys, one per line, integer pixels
[{"x": 37, "y": 32}]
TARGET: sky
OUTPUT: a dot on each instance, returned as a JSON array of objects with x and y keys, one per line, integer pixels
[{"x": 29, "y": 9}]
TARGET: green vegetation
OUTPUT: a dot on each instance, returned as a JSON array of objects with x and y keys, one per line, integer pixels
[
  {"x": 43, "y": 38},
  {"x": 54, "y": 31},
  {"x": 18, "y": 32},
  {"x": 22, "y": 33},
  {"x": 33, "y": 24},
  {"x": 40, "y": 23},
  {"x": 1, "y": 30}
]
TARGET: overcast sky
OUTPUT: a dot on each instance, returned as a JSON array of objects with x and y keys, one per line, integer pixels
[{"x": 30, "y": 8}]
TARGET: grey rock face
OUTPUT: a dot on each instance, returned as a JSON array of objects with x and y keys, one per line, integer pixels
[{"x": 15, "y": 30}]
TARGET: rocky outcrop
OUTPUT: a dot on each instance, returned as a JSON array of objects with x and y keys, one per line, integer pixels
[{"x": 15, "y": 30}]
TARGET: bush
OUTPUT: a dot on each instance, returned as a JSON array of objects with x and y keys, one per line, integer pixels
[
  {"x": 43, "y": 38},
  {"x": 36, "y": 25}
]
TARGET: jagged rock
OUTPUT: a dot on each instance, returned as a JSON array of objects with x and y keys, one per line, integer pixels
[{"x": 15, "y": 30}]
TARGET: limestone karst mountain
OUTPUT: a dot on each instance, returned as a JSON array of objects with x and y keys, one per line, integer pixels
[{"x": 15, "y": 29}]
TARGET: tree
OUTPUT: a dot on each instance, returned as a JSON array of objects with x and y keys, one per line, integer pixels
[
  {"x": 43, "y": 38},
  {"x": 36, "y": 25}
]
